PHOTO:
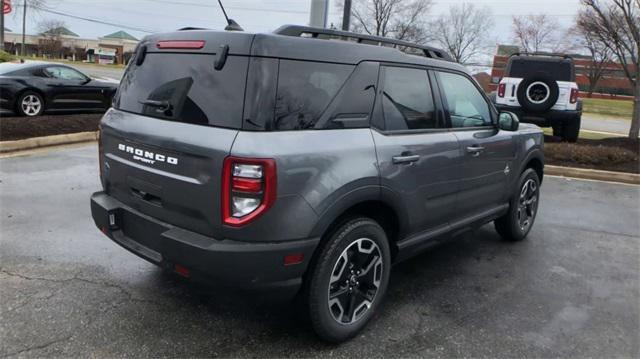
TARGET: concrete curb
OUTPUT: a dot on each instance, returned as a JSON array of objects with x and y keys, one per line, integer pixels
[
  {"x": 598, "y": 175},
  {"x": 35, "y": 142}
]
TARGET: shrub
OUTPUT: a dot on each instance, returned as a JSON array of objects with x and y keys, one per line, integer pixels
[{"x": 5, "y": 56}]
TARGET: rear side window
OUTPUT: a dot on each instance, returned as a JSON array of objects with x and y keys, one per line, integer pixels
[
  {"x": 557, "y": 70},
  {"x": 407, "y": 101},
  {"x": 185, "y": 88},
  {"x": 304, "y": 91}
]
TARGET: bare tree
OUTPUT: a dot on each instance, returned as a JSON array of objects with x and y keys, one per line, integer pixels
[
  {"x": 536, "y": 32},
  {"x": 463, "y": 31},
  {"x": 616, "y": 25},
  {"x": 399, "y": 19},
  {"x": 600, "y": 55},
  {"x": 51, "y": 32}
]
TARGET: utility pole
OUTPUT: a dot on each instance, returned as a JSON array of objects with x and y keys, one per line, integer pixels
[
  {"x": 346, "y": 16},
  {"x": 24, "y": 26},
  {"x": 318, "y": 14}
]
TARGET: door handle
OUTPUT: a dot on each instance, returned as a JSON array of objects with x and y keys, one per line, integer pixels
[
  {"x": 405, "y": 159},
  {"x": 475, "y": 150}
]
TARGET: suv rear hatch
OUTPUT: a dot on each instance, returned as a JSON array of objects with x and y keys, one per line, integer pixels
[{"x": 174, "y": 121}]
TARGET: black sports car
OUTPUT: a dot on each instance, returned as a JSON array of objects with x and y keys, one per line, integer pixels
[{"x": 31, "y": 88}]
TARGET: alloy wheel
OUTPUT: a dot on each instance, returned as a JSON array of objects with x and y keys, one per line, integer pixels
[
  {"x": 31, "y": 105},
  {"x": 355, "y": 280},
  {"x": 527, "y": 204}
]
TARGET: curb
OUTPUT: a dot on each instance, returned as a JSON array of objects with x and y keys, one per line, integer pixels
[
  {"x": 35, "y": 142},
  {"x": 590, "y": 174}
]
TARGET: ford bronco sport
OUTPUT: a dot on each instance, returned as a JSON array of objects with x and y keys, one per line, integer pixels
[
  {"x": 541, "y": 88},
  {"x": 288, "y": 161}
]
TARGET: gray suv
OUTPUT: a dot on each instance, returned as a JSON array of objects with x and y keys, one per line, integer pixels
[{"x": 307, "y": 161}]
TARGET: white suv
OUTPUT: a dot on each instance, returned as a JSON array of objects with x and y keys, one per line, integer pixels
[{"x": 541, "y": 88}]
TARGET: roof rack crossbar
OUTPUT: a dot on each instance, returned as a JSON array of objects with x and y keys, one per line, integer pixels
[{"x": 314, "y": 32}]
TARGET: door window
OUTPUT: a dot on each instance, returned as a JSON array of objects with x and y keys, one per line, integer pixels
[
  {"x": 467, "y": 106},
  {"x": 64, "y": 73},
  {"x": 407, "y": 101}
]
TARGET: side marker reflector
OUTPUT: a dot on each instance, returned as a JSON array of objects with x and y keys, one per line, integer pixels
[{"x": 293, "y": 259}]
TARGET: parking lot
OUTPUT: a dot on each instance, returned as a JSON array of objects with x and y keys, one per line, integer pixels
[{"x": 570, "y": 290}]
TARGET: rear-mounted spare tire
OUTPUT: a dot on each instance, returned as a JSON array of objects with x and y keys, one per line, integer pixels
[{"x": 538, "y": 93}]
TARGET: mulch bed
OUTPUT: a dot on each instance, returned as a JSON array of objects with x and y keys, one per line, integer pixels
[
  {"x": 610, "y": 154},
  {"x": 18, "y": 128}
]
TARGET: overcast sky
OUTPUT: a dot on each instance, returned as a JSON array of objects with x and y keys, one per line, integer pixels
[{"x": 253, "y": 15}]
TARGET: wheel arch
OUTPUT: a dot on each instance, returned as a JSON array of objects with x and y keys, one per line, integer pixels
[
  {"x": 365, "y": 203},
  {"x": 534, "y": 160}
]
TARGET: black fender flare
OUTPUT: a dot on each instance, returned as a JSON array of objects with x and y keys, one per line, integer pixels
[{"x": 371, "y": 193}]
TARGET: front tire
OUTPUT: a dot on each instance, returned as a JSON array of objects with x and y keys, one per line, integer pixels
[
  {"x": 30, "y": 104},
  {"x": 349, "y": 279},
  {"x": 523, "y": 207}
]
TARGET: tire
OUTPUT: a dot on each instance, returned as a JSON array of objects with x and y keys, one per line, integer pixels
[
  {"x": 30, "y": 104},
  {"x": 537, "y": 93},
  {"x": 571, "y": 130},
  {"x": 510, "y": 226},
  {"x": 336, "y": 270}
]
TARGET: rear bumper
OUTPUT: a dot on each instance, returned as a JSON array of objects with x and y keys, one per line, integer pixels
[
  {"x": 547, "y": 118},
  {"x": 243, "y": 265}
]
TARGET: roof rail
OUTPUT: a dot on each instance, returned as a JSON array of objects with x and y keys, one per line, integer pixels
[
  {"x": 315, "y": 32},
  {"x": 540, "y": 53}
]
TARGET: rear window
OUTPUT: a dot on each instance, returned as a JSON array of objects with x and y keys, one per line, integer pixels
[
  {"x": 185, "y": 88},
  {"x": 304, "y": 91},
  {"x": 558, "y": 70}
]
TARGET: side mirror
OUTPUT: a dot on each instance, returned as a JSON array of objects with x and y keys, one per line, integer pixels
[{"x": 508, "y": 121}]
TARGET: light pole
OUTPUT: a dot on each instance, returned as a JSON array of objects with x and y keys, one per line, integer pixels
[
  {"x": 318, "y": 14},
  {"x": 346, "y": 16}
]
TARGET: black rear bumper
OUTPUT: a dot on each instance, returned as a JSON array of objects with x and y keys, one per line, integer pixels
[
  {"x": 546, "y": 119},
  {"x": 242, "y": 265}
]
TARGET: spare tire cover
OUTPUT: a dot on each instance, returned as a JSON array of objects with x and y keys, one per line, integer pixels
[{"x": 538, "y": 93}]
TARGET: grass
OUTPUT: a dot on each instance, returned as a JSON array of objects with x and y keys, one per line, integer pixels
[{"x": 615, "y": 108}]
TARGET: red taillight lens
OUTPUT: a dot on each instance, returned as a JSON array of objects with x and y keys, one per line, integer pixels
[
  {"x": 574, "y": 95},
  {"x": 501, "y": 89},
  {"x": 180, "y": 44},
  {"x": 248, "y": 189}
]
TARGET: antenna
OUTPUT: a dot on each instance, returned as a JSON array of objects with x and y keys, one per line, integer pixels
[{"x": 232, "y": 25}]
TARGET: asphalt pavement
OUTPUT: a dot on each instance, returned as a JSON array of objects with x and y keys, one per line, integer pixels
[
  {"x": 601, "y": 123},
  {"x": 112, "y": 72},
  {"x": 571, "y": 289}
]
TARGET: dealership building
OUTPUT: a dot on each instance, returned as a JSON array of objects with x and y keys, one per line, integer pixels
[{"x": 115, "y": 48}]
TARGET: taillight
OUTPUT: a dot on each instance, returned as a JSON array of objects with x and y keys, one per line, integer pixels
[
  {"x": 180, "y": 44},
  {"x": 248, "y": 189},
  {"x": 574, "y": 95},
  {"x": 501, "y": 89}
]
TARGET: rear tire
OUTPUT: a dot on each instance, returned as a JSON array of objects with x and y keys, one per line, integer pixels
[
  {"x": 346, "y": 285},
  {"x": 523, "y": 207},
  {"x": 30, "y": 104},
  {"x": 571, "y": 130}
]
